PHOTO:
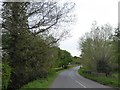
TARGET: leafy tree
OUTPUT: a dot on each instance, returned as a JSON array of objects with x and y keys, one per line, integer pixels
[
  {"x": 96, "y": 48},
  {"x": 64, "y": 58},
  {"x": 14, "y": 34},
  {"x": 76, "y": 60}
]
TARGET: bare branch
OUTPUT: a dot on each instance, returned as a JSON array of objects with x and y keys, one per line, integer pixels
[{"x": 43, "y": 30}]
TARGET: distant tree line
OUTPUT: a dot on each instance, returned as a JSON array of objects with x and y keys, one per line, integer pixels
[
  {"x": 30, "y": 38},
  {"x": 64, "y": 59}
]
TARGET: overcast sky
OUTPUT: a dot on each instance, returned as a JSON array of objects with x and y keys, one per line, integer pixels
[{"x": 87, "y": 11}]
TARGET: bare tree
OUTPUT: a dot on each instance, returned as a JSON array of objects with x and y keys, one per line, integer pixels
[
  {"x": 46, "y": 17},
  {"x": 50, "y": 17}
]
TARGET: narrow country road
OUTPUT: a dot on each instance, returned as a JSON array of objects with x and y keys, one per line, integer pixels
[{"x": 71, "y": 79}]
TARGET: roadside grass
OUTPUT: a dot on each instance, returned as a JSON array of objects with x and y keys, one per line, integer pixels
[
  {"x": 44, "y": 83},
  {"x": 41, "y": 83},
  {"x": 111, "y": 81}
]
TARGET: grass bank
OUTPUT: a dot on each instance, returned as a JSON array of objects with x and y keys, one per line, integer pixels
[
  {"x": 46, "y": 82},
  {"x": 110, "y": 80},
  {"x": 41, "y": 83}
]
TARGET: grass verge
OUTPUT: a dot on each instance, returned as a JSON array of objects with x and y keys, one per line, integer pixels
[
  {"x": 44, "y": 83},
  {"x": 41, "y": 83},
  {"x": 110, "y": 81}
]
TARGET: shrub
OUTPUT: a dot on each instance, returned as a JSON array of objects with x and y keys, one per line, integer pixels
[{"x": 6, "y": 72}]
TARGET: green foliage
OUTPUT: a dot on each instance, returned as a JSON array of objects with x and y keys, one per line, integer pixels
[
  {"x": 64, "y": 58},
  {"x": 44, "y": 82},
  {"x": 6, "y": 72},
  {"x": 76, "y": 60},
  {"x": 97, "y": 49},
  {"x": 103, "y": 67},
  {"x": 30, "y": 56},
  {"x": 34, "y": 61},
  {"x": 116, "y": 43},
  {"x": 29, "y": 41}
]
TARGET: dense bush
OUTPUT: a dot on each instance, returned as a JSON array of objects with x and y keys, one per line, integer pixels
[
  {"x": 32, "y": 62},
  {"x": 6, "y": 72},
  {"x": 103, "y": 67}
]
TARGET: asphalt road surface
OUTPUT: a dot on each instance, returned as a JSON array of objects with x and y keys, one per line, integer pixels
[{"x": 71, "y": 79}]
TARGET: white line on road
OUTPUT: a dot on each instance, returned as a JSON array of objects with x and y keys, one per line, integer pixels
[
  {"x": 75, "y": 86},
  {"x": 80, "y": 84}
]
